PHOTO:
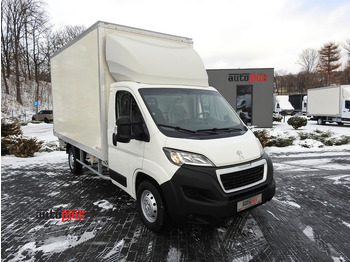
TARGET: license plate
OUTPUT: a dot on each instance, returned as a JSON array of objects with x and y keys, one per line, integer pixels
[{"x": 244, "y": 204}]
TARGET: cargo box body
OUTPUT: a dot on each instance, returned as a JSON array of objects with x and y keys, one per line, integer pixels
[
  {"x": 324, "y": 101},
  {"x": 329, "y": 104},
  {"x": 80, "y": 80}
]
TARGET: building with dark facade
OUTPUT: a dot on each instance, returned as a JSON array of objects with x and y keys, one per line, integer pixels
[{"x": 249, "y": 91}]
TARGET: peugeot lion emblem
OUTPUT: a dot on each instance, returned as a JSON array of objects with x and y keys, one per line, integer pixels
[{"x": 240, "y": 154}]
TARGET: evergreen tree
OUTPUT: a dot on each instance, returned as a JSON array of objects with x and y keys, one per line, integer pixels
[{"x": 329, "y": 56}]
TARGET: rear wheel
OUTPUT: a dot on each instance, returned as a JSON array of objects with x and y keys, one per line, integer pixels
[
  {"x": 74, "y": 166},
  {"x": 320, "y": 121},
  {"x": 151, "y": 206}
]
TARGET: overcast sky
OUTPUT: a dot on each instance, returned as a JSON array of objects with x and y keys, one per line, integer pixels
[{"x": 226, "y": 33}]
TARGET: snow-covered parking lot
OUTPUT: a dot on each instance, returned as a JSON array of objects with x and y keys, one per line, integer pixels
[{"x": 308, "y": 219}]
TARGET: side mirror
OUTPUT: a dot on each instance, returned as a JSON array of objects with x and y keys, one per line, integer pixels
[{"x": 122, "y": 131}]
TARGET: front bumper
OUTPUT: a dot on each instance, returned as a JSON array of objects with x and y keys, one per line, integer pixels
[{"x": 196, "y": 193}]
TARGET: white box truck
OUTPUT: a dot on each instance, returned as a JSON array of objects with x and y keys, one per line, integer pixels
[
  {"x": 329, "y": 104},
  {"x": 282, "y": 105},
  {"x": 137, "y": 103}
]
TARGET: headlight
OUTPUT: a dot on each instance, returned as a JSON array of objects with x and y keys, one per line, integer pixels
[
  {"x": 260, "y": 147},
  {"x": 181, "y": 157}
]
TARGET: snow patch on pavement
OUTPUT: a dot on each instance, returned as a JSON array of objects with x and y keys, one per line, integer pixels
[
  {"x": 346, "y": 224},
  {"x": 174, "y": 254},
  {"x": 52, "y": 245},
  {"x": 115, "y": 251},
  {"x": 309, "y": 232},
  {"x": 104, "y": 204},
  {"x": 286, "y": 202},
  {"x": 272, "y": 214},
  {"x": 339, "y": 179}
]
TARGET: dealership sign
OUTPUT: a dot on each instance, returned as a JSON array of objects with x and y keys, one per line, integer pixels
[{"x": 247, "y": 77}]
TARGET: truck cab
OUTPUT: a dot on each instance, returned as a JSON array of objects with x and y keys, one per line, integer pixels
[{"x": 187, "y": 148}]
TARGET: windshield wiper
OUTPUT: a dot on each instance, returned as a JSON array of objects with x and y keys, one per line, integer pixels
[
  {"x": 213, "y": 131},
  {"x": 180, "y": 129},
  {"x": 216, "y": 130}
]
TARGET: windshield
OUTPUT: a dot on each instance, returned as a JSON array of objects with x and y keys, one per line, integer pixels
[{"x": 188, "y": 112}]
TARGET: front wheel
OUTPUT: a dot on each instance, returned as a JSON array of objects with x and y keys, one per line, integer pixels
[
  {"x": 74, "y": 166},
  {"x": 151, "y": 206}
]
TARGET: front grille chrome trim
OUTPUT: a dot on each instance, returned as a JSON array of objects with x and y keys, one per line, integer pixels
[{"x": 239, "y": 168}]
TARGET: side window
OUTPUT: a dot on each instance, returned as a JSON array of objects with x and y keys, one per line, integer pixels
[
  {"x": 126, "y": 106},
  {"x": 347, "y": 104}
]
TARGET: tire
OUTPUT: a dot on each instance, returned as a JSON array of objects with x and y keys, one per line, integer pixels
[
  {"x": 74, "y": 166},
  {"x": 340, "y": 123},
  {"x": 151, "y": 207},
  {"x": 46, "y": 120},
  {"x": 320, "y": 121}
]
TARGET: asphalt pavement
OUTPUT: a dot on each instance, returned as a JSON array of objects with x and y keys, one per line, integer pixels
[{"x": 308, "y": 219}]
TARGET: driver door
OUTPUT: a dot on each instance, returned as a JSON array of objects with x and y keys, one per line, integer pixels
[{"x": 125, "y": 158}]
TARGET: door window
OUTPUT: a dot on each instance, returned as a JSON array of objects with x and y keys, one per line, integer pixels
[
  {"x": 126, "y": 106},
  {"x": 347, "y": 104}
]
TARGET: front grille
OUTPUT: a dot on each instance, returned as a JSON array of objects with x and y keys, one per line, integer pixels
[{"x": 242, "y": 178}]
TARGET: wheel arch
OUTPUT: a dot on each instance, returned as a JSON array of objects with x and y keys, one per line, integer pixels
[{"x": 141, "y": 176}]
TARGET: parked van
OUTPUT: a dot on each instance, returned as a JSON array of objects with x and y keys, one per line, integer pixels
[
  {"x": 282, "y": 105},
  {"x": 138, "y": 103},
  {"x": 43, "y": 115}
]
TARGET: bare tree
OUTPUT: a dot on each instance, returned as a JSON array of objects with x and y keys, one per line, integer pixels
[
  {"x": 346, "y": 71},
  {"x": 6, "y": 44},
  {"x": 37, "y": 28},
  {"x": 18, "y": 11},
  {"x": 346, "y": 46},
  {"x": 329, "y": 56},
  {"x": 279, "y": 81},
  {"x": 308, "y": 60},
  {"x": 22, "y": 25}
]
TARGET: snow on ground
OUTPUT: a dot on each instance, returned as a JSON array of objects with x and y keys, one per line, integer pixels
[
  {"x": 42, "y": 132},
  {"x": 284, "y": 130},
  {"x": 312, "y": 126}
]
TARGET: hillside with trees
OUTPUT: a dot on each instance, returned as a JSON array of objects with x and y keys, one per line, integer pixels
[{"x": 27, "y": 42}]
